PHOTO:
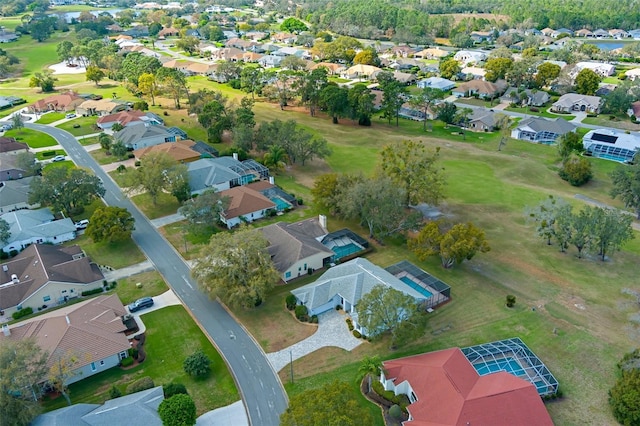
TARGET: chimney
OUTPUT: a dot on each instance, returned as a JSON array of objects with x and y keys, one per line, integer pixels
[
  {"x": 323, "y": 222},
  {"x": 235, "y": 155},
  {"x": 5, "y": 330},
  {"x": 14, "y": 279},
  {"x": 272, "y": 180}
]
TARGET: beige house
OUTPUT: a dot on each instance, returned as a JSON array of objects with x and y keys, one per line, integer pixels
[
  {"x": 361, "y": 71},
  {"x": 101, "y": 107},
  {"x": 431, "y": 53},
  {"x": 62, "y": 102}
]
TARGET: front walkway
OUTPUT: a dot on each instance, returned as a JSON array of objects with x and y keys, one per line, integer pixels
[{"x": 332, "y": 331}]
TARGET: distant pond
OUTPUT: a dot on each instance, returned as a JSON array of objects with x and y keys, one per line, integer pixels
[{"x": 609, "y": 44}]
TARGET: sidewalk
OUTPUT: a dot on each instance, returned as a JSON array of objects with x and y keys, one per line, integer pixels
[
  {"x": 233, "y": 414},
  {"x": 119, "y": 274},
  {"x": 166, "y": 220}
]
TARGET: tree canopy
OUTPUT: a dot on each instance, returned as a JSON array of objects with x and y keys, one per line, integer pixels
[
  {"x": 178, "y": 410},
  {"x": 205, "y": 209},
  {"x": 66, "y": 190},
  {"x": 157, "y": 173},
  {"x": 626, "y": 185},
  {"x": 110, "y": 224}
]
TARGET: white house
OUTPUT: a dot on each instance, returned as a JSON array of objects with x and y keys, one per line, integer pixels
[
  {"x": 632, "y": 74},
  {"x": 611, "y": 145},
  {"x": 436, "y": 83},
  {"x": 466, "y": 57},
  {"x": 36, "y": 226},
  {"x": 571, "y": 102},
  {"x": 600, "y": 68},
  {"x": 245, "y": 205}
]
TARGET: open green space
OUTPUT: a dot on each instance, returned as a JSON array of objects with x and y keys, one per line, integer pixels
[
  {"x": 102, "y": 158},
  {"x": 68, "y": 164},
  {"x": 541, "y": 113},
  {"x": 87, "y": 126},
  {"x": 50, "y": 117},
  {"x": 33, "y": 138},
  {"x": 166, "y": 346},
  {"x": 151, "y": 284},
  {"x": 618, "y": 122},
  {"x": 116, "y": 255},
  {"x": 165, "y": 205},
  {"x": 45, "y": 155}
]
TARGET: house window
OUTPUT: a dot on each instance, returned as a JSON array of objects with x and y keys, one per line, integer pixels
[
  {"x": 64, "y": 291},
  {"x": 287, "y": 274},
  {"x": 93, "y": 366},
  {"x": 412, "y": 397},
  {"x": 122, "y": 355},
  {"x": 46, "y": 298},
  {"x": 102, "y": 362},
  {"x": 305, "y": 267}
]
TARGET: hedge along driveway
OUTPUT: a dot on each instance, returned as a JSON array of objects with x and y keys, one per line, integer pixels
[{"x": 33, "y": 138}]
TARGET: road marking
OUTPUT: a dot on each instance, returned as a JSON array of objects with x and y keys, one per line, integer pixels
[
  {"x": 187, "y": 281},
  {"x": 261, "y": 384},
  {"x": 231, "y": 335}
]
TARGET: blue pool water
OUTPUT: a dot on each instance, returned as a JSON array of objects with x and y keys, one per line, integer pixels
[
  {"x": 343, "y": 251},
  {"x": 280, "y": 203},
  {"x": 509, "y": 365},
  {"x": 414, "y": 285}
]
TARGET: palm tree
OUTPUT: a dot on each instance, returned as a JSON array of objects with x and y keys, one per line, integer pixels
[
  {"x": 105, "y": 141},
  {"x": 370, "y": 365},
  {"x": 276, "y": 159}
]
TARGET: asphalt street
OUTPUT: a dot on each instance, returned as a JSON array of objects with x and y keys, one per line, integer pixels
[{"x": 259, "y": 385}]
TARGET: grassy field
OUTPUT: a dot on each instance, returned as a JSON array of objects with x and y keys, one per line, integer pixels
[
  {"x": 116, "y": 255},
  {"x": 40, "y": 155},
  {"x": 541, "y": 113},
  {"x": 102, "y": 158},
  {"x": 605, "y": 121},
  {"x": 87, "y": 126},
  {"x": 152, "y": 285},
  {"x": 33, "y": 138},
  {"x": 50, "y": 117},
  {"x": 166, "y": 205},
  {"x": 164, "y": 365}
]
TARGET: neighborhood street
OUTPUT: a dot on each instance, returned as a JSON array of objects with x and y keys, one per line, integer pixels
[{"x": 259, "y": 385}]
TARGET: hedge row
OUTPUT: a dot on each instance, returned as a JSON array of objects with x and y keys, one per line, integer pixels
[{"x": 22, "y": 313}]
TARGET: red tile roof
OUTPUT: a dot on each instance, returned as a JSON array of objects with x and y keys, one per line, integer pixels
[
  {"x": 450, "y": 392},
  {"x": 122, "y": 117}
]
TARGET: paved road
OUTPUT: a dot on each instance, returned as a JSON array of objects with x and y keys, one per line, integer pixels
[{"x": 258, "y": 384}]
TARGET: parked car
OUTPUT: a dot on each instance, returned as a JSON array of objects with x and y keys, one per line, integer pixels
[
  {"x": 145, "y": 302},
  {"x": 58, "y": 158},
  {"x": 70, "y": 115},
  {"x": 82, "y": 224},
  {"x": 5, "y": 127}
]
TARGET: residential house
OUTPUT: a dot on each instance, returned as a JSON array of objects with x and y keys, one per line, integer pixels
[
  {"x": 270, "y": 61},
  {"x": 635, "y": 34},
  {"x": 245, "y": 206},
  {"x": 481, "y": 36},
  {"x": 536, "y": 98},
  {"x": 634, "y": 110},
  {"x": 473, "y": 73},
  {"x": 295, "y": 248},
  {"x": 557, "y": 33},
  {"x": 286, "y": 38},
  {"x": 437, "y": 83},
  {"x": 138, "y": 31},
  {"x": 114, "y": 28},
  {"x": 64, "y": 102},
  {"x": 127, "y": 118},
  {"x": 102, "y": 107},
  {"x": 14, "y": 195},
  {"x": 484, "y": 89},
  {"x": 7, "y": 36},
  {"x": 92, "y": 333},
  {"x": 332, "y": 68},
  {"x": 361, "y": 71},
  {"x": 9, "y": 150},
  {"x": 583, "y": 33},
  {"x": 181, "y": 151},
  {"x": 466, "y": 57},
  {"x": 227, "y": 54},
  {"x": 481, "y": 120},
  {"x": 36, "y": 226},
  {"x": 431, "y": 53},
  {"x": 632, "y": 74},
  {"x": 431, "y": 379},
  {"x": 46, "y": 274},
  {"x": 600, "y": 33},
  {"x": 256, "y": 35},
  {"x": 239, "y": 43},
  {"x": 290, "y": 51},
  {"x": 573, "y": 102},
  {"x": 141, "y": 135},
  {"x": 193, "y": 32},
  {"x": 223, "y": 173},
  {"x": 602, "y": 69},
  {"x": 10, "y": 101},
  {"x": 168, "y": 32},
  {"x": 402, "y": 51},
  {"x": 611, "y": 144},
  {"x": 404, "y": 78},
  {"x": 143, "y": 406},
  {"x": 605, "y": 89},
  {"x": 618, "y": 33},
  {"x": 542, "y": 130},
  {"x": 547, "y": 32},
  {"x": 251, "y": 57},
  {"x": 407, "y": 64}
]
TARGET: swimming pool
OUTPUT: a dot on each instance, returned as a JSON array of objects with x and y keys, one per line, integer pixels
[
  {"x": 510, "y": 365},
  {"x": 280, "y": 204},
  {"x": 414, "y": 285},
  {"x": 344, "y": 251}
]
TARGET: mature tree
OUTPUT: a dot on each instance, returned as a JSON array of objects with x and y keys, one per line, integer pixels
[
  {"x": 328, "y": 405},
  {"x": 462, "y": 117},
  {"x": 148, "y": 86},
  {"x": 62, "y": 369},
  {"x": 415, "y": 169},
  {"x": 387, "y": 310},
  {"x": 152, "y": 174},
  {"x": 361, "y": 104},
  {"x": 64, "y": 50},
  {"x": 367, "y": 56},
  {"x": 44, "y": 80},
  {"x": 5, "y": 231},
  {"x": 342, "y": 48},
  {"x": 178, "y": 410},
  {"x": 216, "y": 117},
  {"x": 205, "y": 209},
  {"x": 462, "y": 41},
  {"x": 547, "y": 72},
  {"x": 229, "y": 70},
  {"x": 197, "y": 364},
  {"x": 105, "y": 141},
  {"x": 563, "y": 229},
  {"x": 174, "y": 83},
  {"x": 587, "y": 82},
  {"x": 119, "y": 149},
  {"x": 244, "y": 115},
  {"x": 544, "y": 215},
  {"x": 462, "y": 242},
  {"x": 576, "y": 170},
  {"x": 497, "y": 68},
  {"x": 178, "y": 182},
  {"x": 393, "y": 93},
  {"x": 300, "y": 144},
  {"x": 568, "y": 144},
  {"x": 110, "y": 224},
  {"x": 17, "y": 121},
  {"x": 582, "y": 225},
  {"x": 251, "y": 80},
  {"x": 276, "y": 158},
  {"x": 619, "y": 100},
  {"x": 335, "y": 100},
  {"x": 189, "y": 44},
  {"x": 449, "y": 68},
  {"x": 23, "y": 365},
  {"x": 446, "y": 112},
  {"x": 502, "y": 123},
  {"x": 310, "y": 88},
  {"x": 626, "y": 185},
  {"x": 141, "y": 105},
  {"x": 612, "y": 230},
  {"x": 522, "y": 73},
  {"x": 329, "y": 191},
  {"x": 135, "y": 64},
  {"x": 293, "y": 63},
  {"x": 95, "y": 74},
  {"x": 379, "y": 204},
  {"x": 67, "y": 190},
  {"x": 237, "y": 268},
  {"x": 27, "y": 161},
  {"x": 293, "y": 25},
  {"x": 424, "y": 100}
]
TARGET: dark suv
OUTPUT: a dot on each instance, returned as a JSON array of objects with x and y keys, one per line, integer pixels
[{"x": 145, "y": 302}]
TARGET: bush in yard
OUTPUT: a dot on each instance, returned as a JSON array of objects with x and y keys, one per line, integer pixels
[
  {"x": 302, "y": 313},
  {"x": 395, "y": 412},
  {"x": 22, "y": 313},
  {"x": 126, "y": 362},
  {"x": 174, "y": 389},
  {"x": 350, "y": 324},
  {"x": 314, "y": 319},
  {"x": 357, "y": 334},
  {"x": 291, "y": 302},
  {"x": 179, "y": 410},
  {"x": 114, "y": 392},
  {"x": 141, "y": 384},
  {"x": 511, "y": 300},
  {"x": 197, "y": 364},
  {"x": 576, "y": 170}
]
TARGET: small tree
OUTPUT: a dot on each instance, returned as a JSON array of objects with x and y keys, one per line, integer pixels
[
  {"x": 624, "y": 397},
  {"x": 511, "y": 300},
  {"x": 174, "y": 389},
  {"x": 119, "y": 149},
  {"x": 95, "y": 74},
  {"x": 17, "y": 121},
  {"x": 5, "y": 232},
  {"x": 110, "y": 224},
  {"x": 105, "y": 141},
  {"x": 576, "y": 170},
  {"x": 197, "y": 364},
  {"x": 179, "y": 410},
  {"x": 114, "y": 392}
]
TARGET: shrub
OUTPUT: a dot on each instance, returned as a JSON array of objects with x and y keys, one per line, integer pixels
[
  {"x": 302, "y": 313},
  {"x": 314, "y": 319},
  {"x": 350, "y": 324},
  {"x": 94, "y": 291},
  {"x": 197, "y": 364},
  {"x": 131, "y": 155},
  {"x": 137, "y": 163},
  {"x": 22, "y": 313},
  {"x": 357, "y": 334},
  {"x": 291, "y": 302},
  {"x": 114, "y": 392},
  {"x": 141, "y": 384},
  {"x": 338, "y": 307},
  {"x": 576, "y": 170},
  {"x": 511, "y": 300},
  {"x": 174, "y": 389},
  {"x": 126, "y": 362},
  {"x": 133, "y": 353},
  {"x": 165, "y": 113},
  {"x": 300, "y": 201},
  {"x": 48, "y": 153},
  {"x": 534, "y": 109},
  {"x": 121, "y": 168},
  {"x": 395, "y": 412},
  {"x": 179, "y": 410}
]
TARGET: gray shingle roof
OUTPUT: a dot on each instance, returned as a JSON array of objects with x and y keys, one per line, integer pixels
[
  {"x": 131, "y": 134},
  {"x": 207, "y": 172},
  {"x": 559, "y": 126},
  {"x": 14, "y": 192},
  {"x": 27, "y": 224},
  {"x": 351, "y": 280}
]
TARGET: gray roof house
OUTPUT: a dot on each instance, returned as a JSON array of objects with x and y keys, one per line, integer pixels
[
  {"x": 36, "y": 226},
  {"x": 481, "y": 120},
  {"x": 14, "y": 195},
  {"x": 296, "y": 248},
  {"x": 436, "y": 83},
  {"x": 542, "y": 130},
  {"x": 141, "y": 136},
  {"x": 574, "y": 102},
  {"x": 223, "y": 173},
  {"x": 270, "y": 61},
  {"x": 141, "y": 406},
  {"x": 526, "y": 97},
  {"x": 345, "y": 284}
]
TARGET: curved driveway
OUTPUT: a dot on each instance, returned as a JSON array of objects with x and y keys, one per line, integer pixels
[{"x": 260, "y": 387}]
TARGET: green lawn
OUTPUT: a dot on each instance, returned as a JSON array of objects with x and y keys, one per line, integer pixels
[
  {"x": 167, "y": 346},
  {"x": 116, "y": 255},
  {"x": 33, "y": 138},
  {"x": 40, "y": 155},
  {"x": 619, "y": 122},
  {"x": 50, "y": 117},
  {"x": 152, "y": 284},
  {"x": 102, "y": 158},
  {"x": 66, "y": 164},
  {"x": 541, "y": 113},
  {"x": 84, "y": 141},
  {"x": 165, "y": 205},
  {"x": 87, "y": 126}
]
